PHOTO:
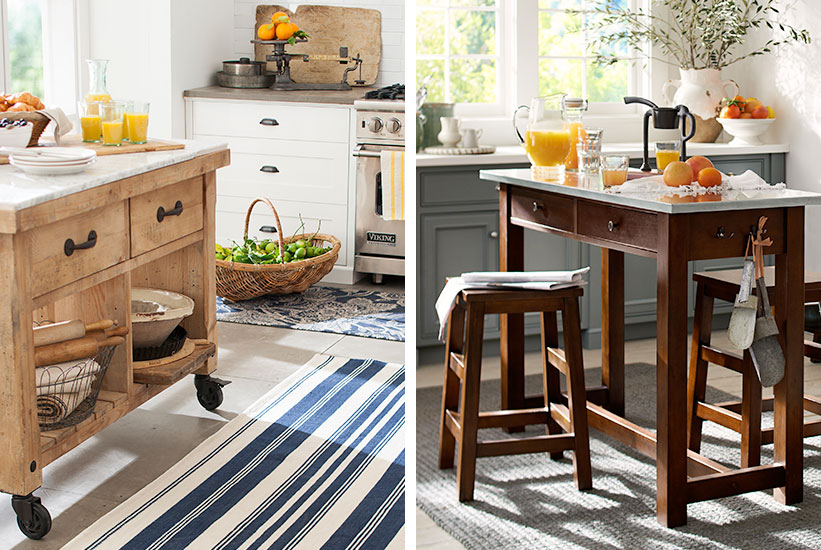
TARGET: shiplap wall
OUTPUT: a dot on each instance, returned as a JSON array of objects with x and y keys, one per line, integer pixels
[{"x": 392, "y": 67}]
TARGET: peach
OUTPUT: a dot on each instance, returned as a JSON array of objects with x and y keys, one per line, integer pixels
[
  {"x": 752, "y": 104},
  {"x": 697, "y": 164},
  {"x": 745, "y": 115},
  {"x": 760, "y": 112},
  {"x": 678, "y": 173}
]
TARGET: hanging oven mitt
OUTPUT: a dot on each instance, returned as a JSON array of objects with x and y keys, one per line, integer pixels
[{"x": 742, "y": 320}]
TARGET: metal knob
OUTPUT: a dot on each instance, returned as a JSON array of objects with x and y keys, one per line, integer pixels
[
  {"x": 393, "y": 125},
  {"x": 375, "y": 124},
  {"x": 721, "y": 234},
  {"x": 611, "y": 226},
  {"x": 494, "y": 234},
  {"x": 537, "y": 206}
]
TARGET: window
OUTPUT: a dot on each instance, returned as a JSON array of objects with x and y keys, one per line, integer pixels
[
  {"x": 495, "y": 55},
  {"x": 25, "y": 46}
]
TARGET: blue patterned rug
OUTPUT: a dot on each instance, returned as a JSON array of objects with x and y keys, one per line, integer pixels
[
  {"x": 318, "y": 462},
  {"x": 355, "y": 312}
]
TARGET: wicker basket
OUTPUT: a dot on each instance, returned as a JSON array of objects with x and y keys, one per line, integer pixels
[
  {"x": 237, "y": 281},
  {"x": 37, "y": 120}
]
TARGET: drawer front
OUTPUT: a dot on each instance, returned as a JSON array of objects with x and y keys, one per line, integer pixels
[
  {"x": 639, "y": 229},
  {"x": 231, "y": 220},
  {"x": 152, "y": 227},
  {"x": 54, "y": 268},
  {"x": 272, "y": 120},
  {"x": 724, "y": 234},
  {"x": 551, "y": 211}
]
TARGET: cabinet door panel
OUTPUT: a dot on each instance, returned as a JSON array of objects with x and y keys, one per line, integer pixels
[{"x": 449, "y": 245}]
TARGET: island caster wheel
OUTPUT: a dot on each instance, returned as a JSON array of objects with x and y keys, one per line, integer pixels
[
  {"x": 209, "y": 391},
  {"x": 32, "y": 517}
]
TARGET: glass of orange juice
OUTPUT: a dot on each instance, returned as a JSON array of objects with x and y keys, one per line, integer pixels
[
  {"x": 91, "y": 124},
  {"x": 667, "y": 152},
  {"x": 111, "y": 114},
  {"x": 137, "y": 116},
  {"x": 614, "y": 169}
]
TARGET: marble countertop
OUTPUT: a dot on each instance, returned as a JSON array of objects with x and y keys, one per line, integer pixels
[
  {"x": 330, "y": 97},
  {"x": 665, "y": 200},
  {"x": 515, "y": 154},
  {"x": 19, "y": 190}
]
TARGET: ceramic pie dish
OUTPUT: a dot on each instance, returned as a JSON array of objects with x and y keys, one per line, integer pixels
[{"x": 155, "y": 313}]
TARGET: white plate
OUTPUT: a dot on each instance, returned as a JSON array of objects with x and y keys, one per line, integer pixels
[
  {"x": 51, "y": 170},
  {"x": 53, "y": 155},
  {"x": 30, "y": 162}
]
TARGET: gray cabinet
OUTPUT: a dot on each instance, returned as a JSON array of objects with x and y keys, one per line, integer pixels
[{"x": 457, "y": 218}]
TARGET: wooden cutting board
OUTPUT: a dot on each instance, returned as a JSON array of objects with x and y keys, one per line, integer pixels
[
  {"x": 329, "y": 28},
  {"x": 102, "y": 150}
]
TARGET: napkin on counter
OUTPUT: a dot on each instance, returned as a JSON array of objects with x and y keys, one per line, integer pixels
[
  {"x": 62, "y": 125},
  {"x": 526, "y": 280},
  {"x": 747, "y": 180}
]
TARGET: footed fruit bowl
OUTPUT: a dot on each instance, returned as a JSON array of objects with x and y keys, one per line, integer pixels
[{"x": 745, "y": 131}]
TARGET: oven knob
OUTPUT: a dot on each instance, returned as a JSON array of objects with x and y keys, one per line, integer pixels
[
  {"x": 375, "y": 124},
  {"x": 394, "y": 125}
]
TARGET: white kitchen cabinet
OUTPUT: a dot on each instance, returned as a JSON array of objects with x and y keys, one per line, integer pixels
[{"x": 296, "y": 154}]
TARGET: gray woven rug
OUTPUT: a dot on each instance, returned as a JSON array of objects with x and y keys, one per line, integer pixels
[{"x": 530, "y": 501}]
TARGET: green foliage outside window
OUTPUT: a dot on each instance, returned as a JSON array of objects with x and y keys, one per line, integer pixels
[{"x": 25, "y": 46}]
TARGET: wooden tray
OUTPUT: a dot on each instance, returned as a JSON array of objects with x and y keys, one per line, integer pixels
[{"x": 150, "y": 146}]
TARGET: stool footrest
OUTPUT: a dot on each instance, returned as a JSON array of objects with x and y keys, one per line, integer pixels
[
  {"x": 722, "y": 358},
  {"x": 719, "y": 415},
  {"x": 512, "y": 418},
  {"x": 726, "y": 484},
  {"x": 556, "y": 357},
  {"x": 536, "y": 444},
  {"x": 456, "y": 363}
]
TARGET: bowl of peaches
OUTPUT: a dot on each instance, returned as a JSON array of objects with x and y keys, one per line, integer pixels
[{"x": 745, "y": 119}]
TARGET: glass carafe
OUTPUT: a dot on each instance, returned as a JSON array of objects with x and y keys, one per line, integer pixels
[
  {"x": 547, "y": 137},
  {"x": 97, "y": 90},
  {"x": 574, "y": 109}
]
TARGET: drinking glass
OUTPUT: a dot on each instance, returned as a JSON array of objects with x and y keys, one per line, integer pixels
[
  {"x": 91, "y": 124},
  {"x": 111, "y": 114},
  {"x": 138, "y": 121},
  {"x": 667, "y": 152},
  {"x": 126, "y": 105},
  {"x": 614, "y": 169},
  {"x": 589, "y": 151}
]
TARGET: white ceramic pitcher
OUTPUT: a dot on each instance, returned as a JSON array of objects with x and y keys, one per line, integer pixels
[
  {"x": 450, "y": 134},
  {"x": 701, "y": 90}
]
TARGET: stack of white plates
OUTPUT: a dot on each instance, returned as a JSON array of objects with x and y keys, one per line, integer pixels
[{"x": 52, "y": 161}]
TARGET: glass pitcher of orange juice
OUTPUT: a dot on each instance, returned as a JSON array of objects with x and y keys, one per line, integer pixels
[{"x": 547, "y": 137}]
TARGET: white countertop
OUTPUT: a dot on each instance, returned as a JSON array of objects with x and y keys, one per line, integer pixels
[
  {"x": 666, "y": 200},
  {"x": 19, "y": 190},
  {"x": 515, "y": 154}
]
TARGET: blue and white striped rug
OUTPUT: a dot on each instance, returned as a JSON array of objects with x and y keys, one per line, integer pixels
[{"x": 319, "y": 462}]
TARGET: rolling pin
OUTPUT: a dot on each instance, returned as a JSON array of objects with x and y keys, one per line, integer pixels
[
  {"x": 103, "y": 334},
  {"x": 67, "y": 330},
  {"x": 80, "y": 348}
]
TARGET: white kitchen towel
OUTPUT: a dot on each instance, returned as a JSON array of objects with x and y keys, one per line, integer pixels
[
  {"x": 536, "y": 280},
  {"x": 62, "y": 125},
  {"x": 393, "y": 184},
  {"x": 746, "y": 181}
]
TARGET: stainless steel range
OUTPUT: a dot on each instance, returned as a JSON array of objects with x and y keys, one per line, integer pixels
[{"x": 380, "y": 125}]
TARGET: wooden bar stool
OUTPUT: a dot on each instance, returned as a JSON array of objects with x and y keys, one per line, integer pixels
[
  {"x": 461, "y": 419},
  {"x": 742, "y": 416}
]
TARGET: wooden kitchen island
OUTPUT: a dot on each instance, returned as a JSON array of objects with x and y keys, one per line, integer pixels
[
  {"x": 113, "y": 208},
  {"x": 672, "y": 229}
]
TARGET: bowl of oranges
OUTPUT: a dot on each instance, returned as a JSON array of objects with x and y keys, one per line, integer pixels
[
  {"x": 281, "y": 29},
  {"x": 745, "y": 119}
]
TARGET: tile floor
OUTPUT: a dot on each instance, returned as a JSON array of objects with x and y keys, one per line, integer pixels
[
  {"x": 88, "y": 482},
  {"x": 431, "y": 536}
]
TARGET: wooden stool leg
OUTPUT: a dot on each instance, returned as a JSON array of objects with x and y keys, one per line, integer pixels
[
  {"x": 450, "y": 387},
  {"x": 697, "y": 380},
  {"x": 469, "y": 401},
  {"x": 551, "y": 381},
  {"x": 750, "y": 415},
  {"x": 577, "y": 401}
]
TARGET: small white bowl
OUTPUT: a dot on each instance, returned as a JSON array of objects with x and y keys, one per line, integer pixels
[
  {"x": 15, "y": 136},
  {"x": 745, "y": 131},
  {"x": 155, "y": 313}
]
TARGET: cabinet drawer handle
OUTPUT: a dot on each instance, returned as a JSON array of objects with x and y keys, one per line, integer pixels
[
  {"x": 268, "y": 229},
  {"x": 70, "y": 247},
  {"x": 611, "y": 226},
  {"x": 720, "y": 234},
  {"x": 494, "y": 234},
  {"x": 268, "y": 169},
  {"x": 269, "y": 122},
  {"x": 537, "y": 206},
  {"x": 162, "y": 212}
]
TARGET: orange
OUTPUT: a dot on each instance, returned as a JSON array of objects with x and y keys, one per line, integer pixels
[
  {"x": 697, "y": 164},
  {"x": 730, "y": 111},
  {"x": 678, "y": 173},
  {"x": 740, "y": 101},
  {"x": 752, "y": 104},
  {"x": 286, "y": 31},
  {"x": 709, "y": 177},
  {"x": 277, "y": 15},
  {"x": 745, "y": 115},
  {"x": 266, "y": 32}
]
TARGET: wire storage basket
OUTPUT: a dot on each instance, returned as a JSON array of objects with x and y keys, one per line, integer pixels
[
  {"x": 67, "y": 392},
  {"x": 238, "y": 281}
]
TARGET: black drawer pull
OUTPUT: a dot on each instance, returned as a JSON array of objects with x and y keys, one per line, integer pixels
[
  {"x": 162, "y": 212},
  {"x": 269, "y": 122},
  {"x": 70, "y": 247},
  {"x": 268, "y": 169},
  {"x": 720, "y": 234},
  {"x": 268, "y": 229}
]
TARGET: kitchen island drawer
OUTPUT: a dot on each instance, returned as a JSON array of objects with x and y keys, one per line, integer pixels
[
  {"x": 617, "y": 224},
  {"x": 724, "y": 234},
  {"x": 270, "y": 119},
  {"x": 165, "y": 215},
  {"x": 68, "y": 250},
  {"x": 557, "y": 212}
]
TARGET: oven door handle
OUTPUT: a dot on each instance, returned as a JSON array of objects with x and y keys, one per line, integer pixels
[{"x": 360, "y": 152}]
